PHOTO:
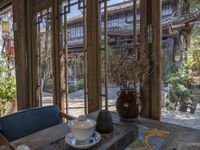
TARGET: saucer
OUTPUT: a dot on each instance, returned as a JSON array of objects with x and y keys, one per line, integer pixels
[{"x": 94, "y": 139}]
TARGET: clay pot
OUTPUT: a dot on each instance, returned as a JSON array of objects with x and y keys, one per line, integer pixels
[{"x": 127, "y": 106}]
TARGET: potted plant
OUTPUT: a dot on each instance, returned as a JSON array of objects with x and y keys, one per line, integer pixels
[{"x": 129, "y": 71}]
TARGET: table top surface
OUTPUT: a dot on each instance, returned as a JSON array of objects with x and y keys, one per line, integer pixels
[{"x": 179, "y": 138}]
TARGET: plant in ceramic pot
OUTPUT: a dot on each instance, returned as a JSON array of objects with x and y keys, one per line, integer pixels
[{"x": 129, "y": 71}]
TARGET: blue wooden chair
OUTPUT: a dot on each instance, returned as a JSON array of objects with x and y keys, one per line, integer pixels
[{"x": 31, "y": 120}]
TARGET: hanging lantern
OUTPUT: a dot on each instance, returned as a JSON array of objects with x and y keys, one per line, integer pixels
[
  {"x": 177, "y": 58},
  {"x": 5, "y": 26}
]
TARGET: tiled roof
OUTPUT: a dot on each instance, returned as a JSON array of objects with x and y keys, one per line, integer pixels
[
  {"x": 173, "y": 20},
  {"x": 169, "y": 21},
  {"x": 116, "y": 7},
  {"x": 127, "y": 29}
]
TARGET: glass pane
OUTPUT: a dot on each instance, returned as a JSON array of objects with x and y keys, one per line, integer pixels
[
  {"x": 72, "y": 18},
  {"x": 117, "y": 36},
  {"x": 180, "y": 101},
  {"x": 44, "y": 58},
  {"x": 8, "y": 102}
]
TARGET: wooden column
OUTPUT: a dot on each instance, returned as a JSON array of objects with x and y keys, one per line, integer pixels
[
  {"x": 20, "y": 26},
  {"x": 30, "y": 21},
  {"x": 93, "y": 56},
  {"x": 155, "y": 82},
  {"x": 58, "y": 59},
  {"x": 25, "y": 33},
  {"x": 144, "y": 47},
  {"x": 150, "y": 43}
]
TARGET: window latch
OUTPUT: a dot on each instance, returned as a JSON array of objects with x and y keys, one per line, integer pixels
[{"x": 15, "y": 26}]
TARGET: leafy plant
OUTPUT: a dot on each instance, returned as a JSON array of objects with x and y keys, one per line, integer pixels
[
  {"x": 194, "y": 4},
  {"x": 193, "y": 62},
  {"x": 7, "y": 88},
  {"x": 7, "y": 83},
  {"x": 178, "y": 85}
]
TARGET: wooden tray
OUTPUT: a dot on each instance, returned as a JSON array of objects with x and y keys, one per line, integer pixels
[{"x": 117, "y": 140}]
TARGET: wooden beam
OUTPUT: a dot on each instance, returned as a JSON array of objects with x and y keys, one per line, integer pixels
[
  {"x": 45, "y": 4},
  {"x": 4, "y": 4},
  {"x": 4, "y": 143}
]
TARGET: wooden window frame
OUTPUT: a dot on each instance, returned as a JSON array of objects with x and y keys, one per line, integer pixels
[{"x": 151, "y": 91}]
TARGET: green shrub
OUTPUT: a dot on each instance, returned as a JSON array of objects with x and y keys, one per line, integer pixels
[
  {"x": 178, "y": 85},
  {"x": 170, "y": 105},
  {"x": 81, "y": 84},
  {"x": 71, "y": 88},
  {"x": 7, "y": 88}
]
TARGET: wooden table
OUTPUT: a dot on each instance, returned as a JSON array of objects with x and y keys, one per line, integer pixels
[{"x": 180, "y": 138}]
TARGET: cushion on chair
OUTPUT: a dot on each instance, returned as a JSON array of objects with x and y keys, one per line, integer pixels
[{"x": 28, "y": 121}]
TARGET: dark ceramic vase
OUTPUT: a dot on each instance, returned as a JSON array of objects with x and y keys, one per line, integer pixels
[
  {"x": 104, "y": 122},
  {"x": 127, "y": 106}
]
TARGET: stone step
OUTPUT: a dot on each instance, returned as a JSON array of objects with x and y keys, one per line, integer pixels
[{"x": 197, "y": 111}]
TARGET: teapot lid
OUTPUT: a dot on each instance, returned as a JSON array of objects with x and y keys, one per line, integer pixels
[{"x": 82, "y": 123}]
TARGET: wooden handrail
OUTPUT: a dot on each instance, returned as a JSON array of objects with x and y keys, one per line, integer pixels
[
  {"x": 66, "y": 116},
  {"x": 5, "y": 142}
]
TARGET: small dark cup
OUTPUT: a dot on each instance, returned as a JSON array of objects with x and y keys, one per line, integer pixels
[{"x": 104, "y": 122}]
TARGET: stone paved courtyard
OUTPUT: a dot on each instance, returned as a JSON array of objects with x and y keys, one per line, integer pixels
[{"x": 182, "y": 118}]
